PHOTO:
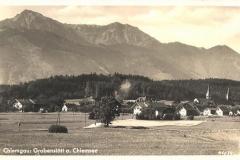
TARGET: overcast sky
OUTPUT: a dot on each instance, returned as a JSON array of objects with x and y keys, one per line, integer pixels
[{"x": 198, "y": 26}]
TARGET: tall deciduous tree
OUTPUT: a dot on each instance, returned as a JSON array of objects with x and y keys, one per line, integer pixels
[{"x": 108, "y": 110}]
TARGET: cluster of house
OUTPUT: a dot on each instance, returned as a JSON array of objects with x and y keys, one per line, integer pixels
[
  {"x": 29, "y": 105},
  {"x": 74, "y": 104},
  {"x": 199, "y": 106},
  {"x": 24, "y": 105}
]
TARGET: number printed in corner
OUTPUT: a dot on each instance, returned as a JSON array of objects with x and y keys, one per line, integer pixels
[{"x": 225, "y": 153}]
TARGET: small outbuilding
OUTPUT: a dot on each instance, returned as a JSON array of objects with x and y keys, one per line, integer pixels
[
  {"x": 64, "y": 108},
  {"x": 212, "y": 111}
]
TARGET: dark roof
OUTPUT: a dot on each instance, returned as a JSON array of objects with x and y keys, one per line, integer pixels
[
  {"x": 141, "y": 99},
  {"x": 141, "y": 104},
  {"x": 225, "y": 108},
  {"x": 79, "y": 101},
  {"x": 204, "y": 101},
  {"x": 167, "y": 102},
  {"x": 235, "y": 108},
  {"x": 189, "y": 106},
  {"x": 156, "y": 105},
  {"x": 25, "y": 101}
]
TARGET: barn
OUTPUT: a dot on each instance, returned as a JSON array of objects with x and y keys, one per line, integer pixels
[
  {"x": 24, "y": 105},
  {"x": 85, "y": 104},
  {"x": 138, "y": 107},
  {"x": 187, "y": 109},
  {"x": 226, "y": 109},
  {"x": 152, "y": 110},
  {"x": 205, "y": 103}
]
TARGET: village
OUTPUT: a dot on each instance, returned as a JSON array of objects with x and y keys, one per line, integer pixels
[
  {"x": 163, "y": 127},
  {"x": 142, "y": 107}
]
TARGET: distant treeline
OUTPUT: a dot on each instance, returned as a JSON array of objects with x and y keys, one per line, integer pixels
[{"x": 55, "y": 89}]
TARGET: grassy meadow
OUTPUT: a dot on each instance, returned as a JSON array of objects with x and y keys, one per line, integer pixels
[{"x": 213, "y": 137}]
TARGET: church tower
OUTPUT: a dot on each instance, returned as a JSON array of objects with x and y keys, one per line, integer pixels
[
  {"x": 208, "y": 93},
  {"x": 227, "y": 95}
]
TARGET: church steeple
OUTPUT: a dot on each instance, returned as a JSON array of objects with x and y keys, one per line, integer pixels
[
  {"x": 227, "y": 95},
  {"x": 208, "y": 93}
]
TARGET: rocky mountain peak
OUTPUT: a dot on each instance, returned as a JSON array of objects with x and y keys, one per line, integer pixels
[
  {"x": 27, "y": 17},
  {"x": 34, "y": 46},
  {"x": 115, "y": 33},
  {"x": 28, "y": 14},
  {"x": 120, "y": 25},
  {"x": 222, "y": 49}
]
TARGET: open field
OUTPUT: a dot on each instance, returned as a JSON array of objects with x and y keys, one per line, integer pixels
[{"x": 213, "y": 136}]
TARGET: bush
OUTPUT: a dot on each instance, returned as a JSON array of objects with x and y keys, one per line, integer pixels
[
  {"x": 92, "y": 115},
  {"x": 138, "y": 127},
  {"x": 57, "y": 129}
]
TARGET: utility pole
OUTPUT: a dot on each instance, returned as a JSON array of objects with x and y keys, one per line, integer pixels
[
  {"x": 85, "y": 119},
  {"x": 58, "y": 119}
]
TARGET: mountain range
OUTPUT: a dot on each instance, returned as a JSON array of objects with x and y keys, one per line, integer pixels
[{"x": 33, "y": 46}]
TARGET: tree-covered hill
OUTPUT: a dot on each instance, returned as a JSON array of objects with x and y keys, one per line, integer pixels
[{"x": 55, "y": 89}]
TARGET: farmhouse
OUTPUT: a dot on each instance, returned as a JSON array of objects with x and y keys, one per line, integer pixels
[
  {"x": 151, "y": 110},
  {"x": 236, "y": 110},
  {"x": 205, "y": 106},
  {"x": 209, "y": 111},
  {"x": 161, "y": 109},
  {"x": 24, "y": 105},
  {"x": 204, "y": 102},
  {"x": 86, "y": 100},
  {"x": 187, "y": 109},
  {"x": 218, "y": 112},
  {"x": 226, "y": 109},
  {"x": 138, "y": 106}
]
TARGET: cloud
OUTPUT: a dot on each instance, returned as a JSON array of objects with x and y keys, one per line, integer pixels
[{"x": 199, "y": 26}]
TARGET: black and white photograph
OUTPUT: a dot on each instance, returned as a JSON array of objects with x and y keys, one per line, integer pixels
[{"x": 128, "y": 80}]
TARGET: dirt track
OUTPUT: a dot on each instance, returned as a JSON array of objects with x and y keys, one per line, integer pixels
[{"x": 151, "y": 123}]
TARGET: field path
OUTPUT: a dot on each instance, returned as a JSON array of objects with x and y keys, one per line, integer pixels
[{"x": 152, "y": 123}]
